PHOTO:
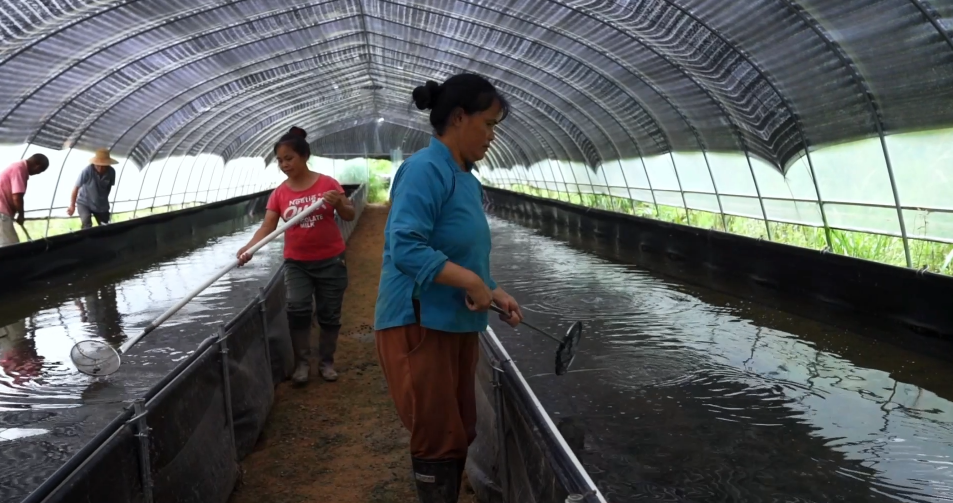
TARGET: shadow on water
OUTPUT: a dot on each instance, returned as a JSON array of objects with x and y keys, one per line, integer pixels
[
  {"x": 48, "y": 410},
  {"x": 686, "y": 394}
]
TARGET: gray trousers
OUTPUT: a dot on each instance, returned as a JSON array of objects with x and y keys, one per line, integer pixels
[
  {"x": 317, "y": 288},
  {"x": 86, "y": 216}
]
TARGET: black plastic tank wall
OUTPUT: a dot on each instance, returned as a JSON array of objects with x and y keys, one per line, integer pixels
[{"x": 148, "y": 237}]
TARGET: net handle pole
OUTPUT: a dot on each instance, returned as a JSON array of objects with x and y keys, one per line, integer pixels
[
  {"x": 504, "y": 313},
  {"x": 231, "y": 265},
  {"x": 26, "y": 232}
]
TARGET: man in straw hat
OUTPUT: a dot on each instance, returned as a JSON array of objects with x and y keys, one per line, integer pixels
[
  {"x": 13, "y": 181},
  {"x": 91, "y": 193}
]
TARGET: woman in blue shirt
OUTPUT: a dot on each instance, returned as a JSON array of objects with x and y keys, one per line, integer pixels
[{"x": 435, "y": 287}]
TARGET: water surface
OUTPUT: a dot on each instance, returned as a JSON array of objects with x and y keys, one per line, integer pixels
[
  {"x": 689, "y": 395},
  {"x": 48, "y": 410}
]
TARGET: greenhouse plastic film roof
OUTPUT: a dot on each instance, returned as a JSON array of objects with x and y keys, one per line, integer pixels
[{"x": 589, "y": 80}]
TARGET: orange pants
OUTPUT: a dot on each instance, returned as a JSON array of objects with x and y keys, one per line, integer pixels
[{"x": 431, "y": 377}]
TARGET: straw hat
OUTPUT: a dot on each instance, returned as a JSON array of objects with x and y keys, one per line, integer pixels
[{"x": 102, "y": 158}]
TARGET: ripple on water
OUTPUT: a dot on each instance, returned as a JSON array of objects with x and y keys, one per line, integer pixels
[
  {"x": 686, "y": 400},
  {"x": 48, "y": 410}
]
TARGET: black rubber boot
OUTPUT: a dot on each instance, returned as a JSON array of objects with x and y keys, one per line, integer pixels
[
  {"x": 438, "y": 480},
  {"x": 301, "y": 345},
  {"x": 327, "y": 345},
  {"x": 461, "y": 464}
]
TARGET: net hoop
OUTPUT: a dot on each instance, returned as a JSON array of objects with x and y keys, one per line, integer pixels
[
  {"x": 566, "y": 353},
  {"x": 95, "y": 358}
]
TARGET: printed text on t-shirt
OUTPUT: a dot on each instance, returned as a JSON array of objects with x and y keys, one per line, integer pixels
[{"x": 300, "y": 204}]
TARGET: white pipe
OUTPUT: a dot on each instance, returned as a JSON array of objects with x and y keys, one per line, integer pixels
[
  {"x": 549, "y": 422},
  {"x": 231, "y": 265}
]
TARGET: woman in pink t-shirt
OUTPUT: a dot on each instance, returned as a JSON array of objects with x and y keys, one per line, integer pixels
[{"x": 314, "y": 252}]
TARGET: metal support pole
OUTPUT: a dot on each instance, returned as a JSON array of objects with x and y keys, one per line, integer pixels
[
  {"x": 236, "y": 173},
  {"x": 227, "y": 384},
  {"x": 240, "y": 172},
  {"x": 246, "y": 180},
  {"x": 209, "y": 189},
  {"x": 574, "y": 179},
  {"x": 896, "y": 200},
  {"x": 757, "y": 189},
  {"x": 591, "y": 186},
  {"x": 178, "y": 169},
  {"x": 678, "y": 180},
  {"x": 714, "y": 186},
  {"x": 608, "y": 186},
  {"x": 142, "y": 183},
  {"x": 820, "y": 200},
  {"x": 645, "y": 169},
  {"x": 142, "y": 432},
  {"x": 625, "y": 181},
  {"x": 562, "y": 176},
  {"x": 56, "y": 187},
  {"x": 538, "y": 181},
  {"x": 155, "y": 194},
  {"x": 25, "y": 150},
  {"x": 185, "y": 191},
  {"x": 555, "y": 181},
  {"x": 501, "y": 431},
  {"x": 122, "y": 171},
  {"x": 231, "y": 176},
  {"x": 263, "y": 309},
  {"x": 236, "y": 178},
  {"x": 527, "y": 177},
  {"x": 201, "y": 176},
  {"x": 222, "y": 182}
]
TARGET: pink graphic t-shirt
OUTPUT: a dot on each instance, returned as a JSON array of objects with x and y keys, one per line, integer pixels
[
  {"x": 316, "y": 236},
  {"x": 13, "y": 180}
]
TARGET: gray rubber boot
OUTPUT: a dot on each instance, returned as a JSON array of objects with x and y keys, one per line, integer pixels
[
  {"x": 301, "y": 345},
  {"x": 327, "y": 345},
  {"x": 438, "y": 481}
]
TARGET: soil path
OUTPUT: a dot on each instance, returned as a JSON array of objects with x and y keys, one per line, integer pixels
[{"x": 341, "y": 441}]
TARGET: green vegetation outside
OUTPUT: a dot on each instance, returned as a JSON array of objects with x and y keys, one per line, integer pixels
[
  {"x": 376, "y": 170},
  {"x": 937, "y": 257}
]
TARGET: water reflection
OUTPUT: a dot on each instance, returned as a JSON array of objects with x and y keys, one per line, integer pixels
[
  {"x": 18, "y": 357},
  {"x": 99, "y": 312},
  {"x": 48, "y": 409},
  {"x": 688, "y": 395}
]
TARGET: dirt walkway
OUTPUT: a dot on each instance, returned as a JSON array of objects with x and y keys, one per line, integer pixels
[{"x": 342, "y": 441}]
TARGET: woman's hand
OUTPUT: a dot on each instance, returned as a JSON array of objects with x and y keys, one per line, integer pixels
[
  {"x": 243, "y": 257},
  {"x": 479, "y": 296},
  {"x": 333, "y": 198},
  {"x": 507, "y": 303}
]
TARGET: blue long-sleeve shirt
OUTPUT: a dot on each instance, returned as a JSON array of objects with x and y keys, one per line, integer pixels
[{"x": 436, "y": 215}]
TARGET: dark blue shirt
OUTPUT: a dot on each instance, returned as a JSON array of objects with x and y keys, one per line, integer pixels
[
  {"x": 94, "y": 188},
  {"x": 436, "y": 215}
]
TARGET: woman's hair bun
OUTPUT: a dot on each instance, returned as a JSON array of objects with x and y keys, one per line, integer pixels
[
  {"x": 425, "y": 96},
  {"x": 296, "y": 131}
]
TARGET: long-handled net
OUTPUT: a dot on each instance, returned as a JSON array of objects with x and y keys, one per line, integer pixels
[
  {"x": 97, "y": 358},
  {"x": 566, "y": 353}
]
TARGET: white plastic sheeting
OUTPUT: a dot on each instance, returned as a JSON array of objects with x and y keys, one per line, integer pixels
[
  {"x": 846, "y": 187},
  {"x": 723, "y": 105}
]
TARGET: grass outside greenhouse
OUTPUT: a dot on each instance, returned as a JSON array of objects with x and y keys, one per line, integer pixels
[
  {"x": 934, "y": 256},
  {"x": 377, "y": 172}
]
